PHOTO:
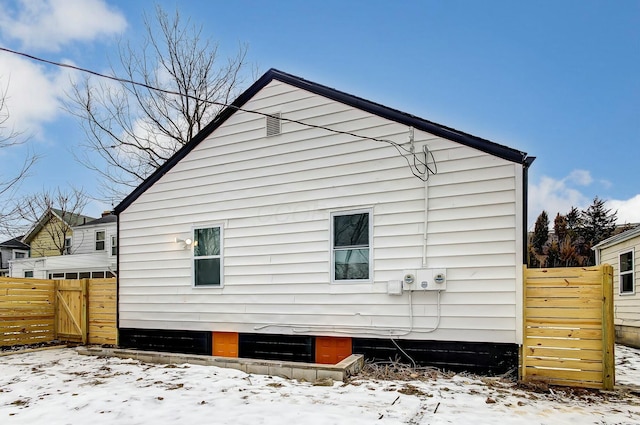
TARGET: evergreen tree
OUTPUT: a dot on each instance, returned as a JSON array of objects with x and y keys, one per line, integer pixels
[
  {"x": 598, "y": 223},
  {"x": 560, "y": 227},
  {"x": 540, "y": 233}
]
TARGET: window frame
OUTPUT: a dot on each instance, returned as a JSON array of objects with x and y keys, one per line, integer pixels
[
  {"x": 114, "y": 244},
  {"x": 67, "y": 246},
  {"x": 194, "y": 284},
  {"x": 103, "y": 240},
  {"x": 25, "y": 272},
  {"x": 22, "y": 252},
  {"x": 626, "y": 272},
  {"x": 332, "y": 248}
]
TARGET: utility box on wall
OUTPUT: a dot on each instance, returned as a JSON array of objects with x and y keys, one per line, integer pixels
[{"x": 425, "y": 280}]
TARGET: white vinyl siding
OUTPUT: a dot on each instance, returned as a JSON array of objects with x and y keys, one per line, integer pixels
[
  {"x": 627, "y": 305},
  {"x": 275, "y": 196}
]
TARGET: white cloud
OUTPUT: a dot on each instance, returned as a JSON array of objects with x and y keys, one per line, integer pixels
[
  {"x": 555, "y": 196},
  {"x": 48, "y": 25},
  {"x": 628, "y": 210},
  {"x": 33, "y": 95}
]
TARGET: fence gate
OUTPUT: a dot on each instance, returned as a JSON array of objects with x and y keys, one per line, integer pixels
[
  {"x": 71, "y": 310},
  {"x": 568, "y": 326}
]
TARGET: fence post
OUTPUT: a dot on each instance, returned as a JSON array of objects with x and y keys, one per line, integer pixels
[
  {"x": 56, "y": 315},
  {"x": 608, "y": 329},
  {"x": 84, "y": 319}
]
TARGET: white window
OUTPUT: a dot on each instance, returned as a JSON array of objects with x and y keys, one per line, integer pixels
[
  {"x": 28, "y": 273},
  {"x": 67, "y": 245},
  {"x": 19, "y": 254},
  {"x": 114, "y": 245},
  {"x": 100, "y": 240},
  {"x": 627, "y": 285},
  {"x": 351, "y": 240},
  {"x": 207, "y": 256}
]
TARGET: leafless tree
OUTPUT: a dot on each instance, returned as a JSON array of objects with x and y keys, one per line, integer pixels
[
  {"x": 9, "y": 184},
  {"x": 132, "y": 129},
  {"x": 53, "y": 212}
]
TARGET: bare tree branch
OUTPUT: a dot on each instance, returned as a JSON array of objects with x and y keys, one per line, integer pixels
[
  {"x": 131, "y": 129},
  {"x": 9, "y": 185},
  {"x": 59, "y": 210}
]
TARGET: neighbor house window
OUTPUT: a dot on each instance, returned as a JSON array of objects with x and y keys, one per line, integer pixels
[
  {"x": 28, "y": 273},
  {"x": 100, "y": 240},
  {"x": 351, "y": 234},
  {"x": 18, "y": 255},
  {"x": 67, "y": 245},
  {"x": 207, "y": 256},
  {"x": 114, "y": 245},
  {"x": 626, "y": 273}
]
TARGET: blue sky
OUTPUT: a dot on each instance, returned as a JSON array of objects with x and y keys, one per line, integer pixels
[{"x": 556, "y": 79}]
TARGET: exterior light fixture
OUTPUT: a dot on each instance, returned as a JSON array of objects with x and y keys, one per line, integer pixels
[{"x": 187, "y": 242}]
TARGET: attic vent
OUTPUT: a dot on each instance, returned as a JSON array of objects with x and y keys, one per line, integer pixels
[{"x": 273, "y": 124}]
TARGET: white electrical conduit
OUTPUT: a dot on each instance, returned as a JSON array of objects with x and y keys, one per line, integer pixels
[{"x": 366, "y": 330}]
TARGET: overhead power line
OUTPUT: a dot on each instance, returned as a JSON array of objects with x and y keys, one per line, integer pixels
[{"x": 413, "y": 167}]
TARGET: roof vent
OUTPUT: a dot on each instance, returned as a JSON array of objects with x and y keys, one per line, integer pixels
[{"x": 273, "y": 124}]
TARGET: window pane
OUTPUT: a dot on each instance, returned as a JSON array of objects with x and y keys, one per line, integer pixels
[
  {"x": 97, "y": 275},
  {"x": 626, "y": 262},
  {"x": 207, "y": 271},
  {"x": 626, "y": 282},
  {"x": 351, "y": 264},
  {"x": 28, "y": 273},
  {"x": 206, "y": 242},
  {"x": 85, "y": 275},
  {"x": 351, "y": 230}
]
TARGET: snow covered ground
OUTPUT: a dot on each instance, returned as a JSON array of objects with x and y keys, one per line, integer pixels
[{"x": 61, "y": 387}]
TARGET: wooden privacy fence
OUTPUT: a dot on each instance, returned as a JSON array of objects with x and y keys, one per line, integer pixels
[
  {"x": 37, "y": 310},
  {"x": 568, "y": 326}
]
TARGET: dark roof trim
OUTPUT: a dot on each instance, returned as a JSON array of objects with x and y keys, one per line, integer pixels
[
  {"x": 15, "y": 243},
  {"x": 449, "y": 133}
]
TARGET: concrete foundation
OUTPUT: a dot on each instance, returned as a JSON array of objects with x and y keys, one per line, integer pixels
[
  {"x": 628, "y": 335},
  {"x": 293, "y": 370}
]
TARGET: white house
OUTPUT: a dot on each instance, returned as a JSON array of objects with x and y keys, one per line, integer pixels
[
  {"x": 306, "y": 223},
  {"x": 620, "y": 252},
  {"x": 10, "y": 250},
  {"x": 90, "y": 253}
]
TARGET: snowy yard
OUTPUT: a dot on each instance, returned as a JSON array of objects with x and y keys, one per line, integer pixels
[{"x": 61, "y": 387}]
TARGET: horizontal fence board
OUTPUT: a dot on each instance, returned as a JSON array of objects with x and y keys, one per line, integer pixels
[
  {"x": 584, "y": 365},
  {"x": 564, "y": 333},
  {"x": 564, "y": 312},
  {"x": 590, "y": 344},
  {"x": 559, "y": 353},
  {"x": 563, "y": 292},
  {"x": 565, "y": 374}
]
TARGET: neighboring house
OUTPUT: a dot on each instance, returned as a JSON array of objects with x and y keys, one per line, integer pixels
[
  {"x": 621, "y": 252},
  {"x": 265, "y": 237},
  {"x": 90, "y": 253},
  {"x": 53, "y": 232},
  {"x": 11, "y": 249}
]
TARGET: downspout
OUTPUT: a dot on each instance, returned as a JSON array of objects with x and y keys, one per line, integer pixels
[{"x": 525, "y": 194}]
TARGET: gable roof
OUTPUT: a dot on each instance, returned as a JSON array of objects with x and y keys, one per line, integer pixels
[
  {"x": 15, "y": 243},
  {"x": 620, "y": 237},
  {"x": 69, "y": 219},
  {"x": 449, "y": 133}
]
